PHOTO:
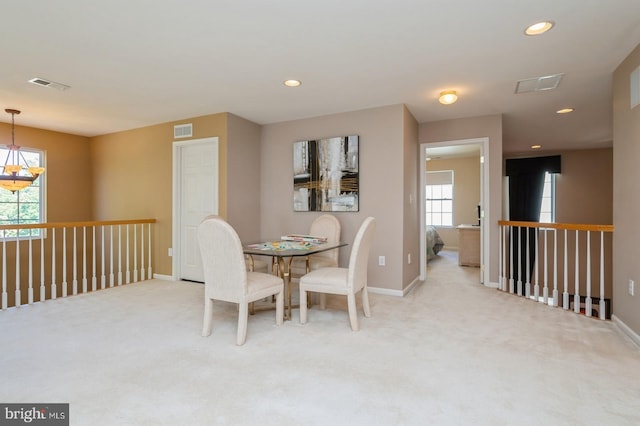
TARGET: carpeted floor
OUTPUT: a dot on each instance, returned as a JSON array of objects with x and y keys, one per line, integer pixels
[{"x": 452, "y": 352}]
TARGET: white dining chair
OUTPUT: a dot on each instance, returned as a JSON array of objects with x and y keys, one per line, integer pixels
[
  {"x": 327, "y": 226},
  {"x": 344, "y": 281},
  {"x": 226, "y": 277}
]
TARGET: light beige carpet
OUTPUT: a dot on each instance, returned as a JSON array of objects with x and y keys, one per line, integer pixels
[{"x": 451, "y": 352}]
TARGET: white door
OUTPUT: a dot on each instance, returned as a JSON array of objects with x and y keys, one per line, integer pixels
[{"x": 196, "y": 198}]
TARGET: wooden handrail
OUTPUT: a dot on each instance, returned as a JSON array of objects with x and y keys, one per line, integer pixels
[
  {"x": 75, "y": 224},
  {"x": 568, "y": 226}
]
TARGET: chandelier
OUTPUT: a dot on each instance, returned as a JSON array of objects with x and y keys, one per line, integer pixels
[{"x": 16, "y": 176}]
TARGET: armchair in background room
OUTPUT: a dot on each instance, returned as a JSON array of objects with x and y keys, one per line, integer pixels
[
  {"x": 226, "y": 277},
  {"x": 344, "y": 281}
]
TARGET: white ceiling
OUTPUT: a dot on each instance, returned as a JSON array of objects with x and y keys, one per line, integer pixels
[{"x": 133, "y": 63}]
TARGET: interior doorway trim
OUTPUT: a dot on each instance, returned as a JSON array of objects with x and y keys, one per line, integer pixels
[
  {"x": 175, "y": 251},
  {"x": 485, "y": 252}
]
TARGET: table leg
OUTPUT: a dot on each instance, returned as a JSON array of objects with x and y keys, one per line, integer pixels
[{"x": 284, "y": 273}]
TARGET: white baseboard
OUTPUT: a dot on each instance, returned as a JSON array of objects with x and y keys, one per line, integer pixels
[
  {"x": 626, "y": 330},
  {"x": 397, "y": 293},
  {"x": 163, "y": 277},
  {"x": 492, "y": 285}
]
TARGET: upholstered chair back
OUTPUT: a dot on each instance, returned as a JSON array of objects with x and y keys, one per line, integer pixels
[
  {"x": 225, "y": 274},
  {"x": 357, "y": 275}
]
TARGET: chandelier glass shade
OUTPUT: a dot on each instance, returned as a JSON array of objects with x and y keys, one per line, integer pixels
[{"x": 16, "y": 173}]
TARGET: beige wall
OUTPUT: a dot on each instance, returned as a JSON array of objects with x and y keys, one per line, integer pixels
[
  {"x": 384, "y": 134},
  {"x": 243, "y": 182},
  {"x": 626, "y": 198},
  {"x": 68, "y": 170},
  {"x": 132, "y": 174},
  {"x": 469, "y": 128},
  {"x": 411, "y": 202},
  {"x": 466, "y": 194}
]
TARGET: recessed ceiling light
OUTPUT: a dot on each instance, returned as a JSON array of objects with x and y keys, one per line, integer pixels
[
  {"x": 536, "y": 146},
  {"x": 448, "y": 97},
  {"x": 292, "y": 83},
  {"x": 539, "y": 28},
  {"x": 564, "y": 111}
]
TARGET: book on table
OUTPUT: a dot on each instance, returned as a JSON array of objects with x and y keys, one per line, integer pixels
[{"x": 304, "y": 238}]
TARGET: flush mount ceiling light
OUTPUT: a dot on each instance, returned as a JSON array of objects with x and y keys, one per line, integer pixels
[
  {"x": 564, "y": 111},
  {"x": 15, "y": 176},
  {"x": 292, "y": 83},
  {"x": 539, "y": 28},
  {"x": 448, "y": 97}
]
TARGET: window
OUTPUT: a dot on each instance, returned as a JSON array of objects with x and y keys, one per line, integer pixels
[
  {"x": 547, "y": 208},
  {"x": 439, "y": 198},
  {"x": 24, "y": 206}
]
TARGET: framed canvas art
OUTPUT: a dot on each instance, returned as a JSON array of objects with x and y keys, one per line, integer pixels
[{"x": 325, "y": 175}]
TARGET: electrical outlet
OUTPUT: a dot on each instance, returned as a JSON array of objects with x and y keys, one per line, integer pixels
[
  {"x": 381, "y": 260},
  {"x": 632, "y": 287},
  {"x": 170, "y": 252}
]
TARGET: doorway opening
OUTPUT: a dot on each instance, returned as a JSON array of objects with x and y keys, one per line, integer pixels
[{"x": 473, "y": 224}]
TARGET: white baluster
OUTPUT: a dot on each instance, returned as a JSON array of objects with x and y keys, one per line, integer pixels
[
  {"x": 103, "y": 277},
  {"x": 565, "y": 294},
  {"x": 511, "y": 265},
  {"x": 75, "y": 261},
  {"x": 64, "y": 262},
  {"x": 588, "y": 304},
  {"x": 555, "y": 267},
  {"x": 18, "y": 293},
  {"x": 142, "y": 271},
  {"x": 5, "y": 301},
  {"x": 536, "y": 270},
  {"x": 519, "y": 261},
  {"x": 42, "y": 288},
  {"x": 135, "y": 253},
  {"x": 150, "y": 272},
  {"x": 54, "y": 286},
  {"x": 545, "y": 290},
  {"x": 128, "y": 272},
  {"x": 576, "y": 296},
  {"x": 30, "y": 293},
  {"x": 119, "y": 254},
  {"x": 527, "y": 284},
  {"x": 111, "y": 276},
  {"x": 84, "y": 259},
  {"x": 94, "y": 278},
  {"x": 603, "y": 314}
]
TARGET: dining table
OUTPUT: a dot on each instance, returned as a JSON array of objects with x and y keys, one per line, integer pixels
[{"x": 282, "y": 253}]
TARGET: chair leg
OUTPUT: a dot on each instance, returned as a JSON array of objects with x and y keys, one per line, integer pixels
[
  {"x": 323, "y": 301},
  {"x": 280, "y": 308},
  {"x": 353, "y": 313},
  {"x": 208, "y": 317},
  {"x": 243, "y": 314},
  {"x": 365, "y": 302},
  {"x": 303, "y": 306}
]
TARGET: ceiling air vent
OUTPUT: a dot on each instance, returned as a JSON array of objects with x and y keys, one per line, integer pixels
[
  {"x": 47, "y": 83},
  {"x": 539, "y": 84},
  {"x": 183, "y": 131}
]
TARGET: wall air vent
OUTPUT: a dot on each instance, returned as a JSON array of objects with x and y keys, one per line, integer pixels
[
  {"x": 183, "y": 131},
  {"x": 47, "y": 83},
  {"x": 538, "y": 84}
]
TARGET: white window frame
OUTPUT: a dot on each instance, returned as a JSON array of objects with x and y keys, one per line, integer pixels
[
  {"x": 439, "y": 178},
  {"x": 548, "y": 215}
]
